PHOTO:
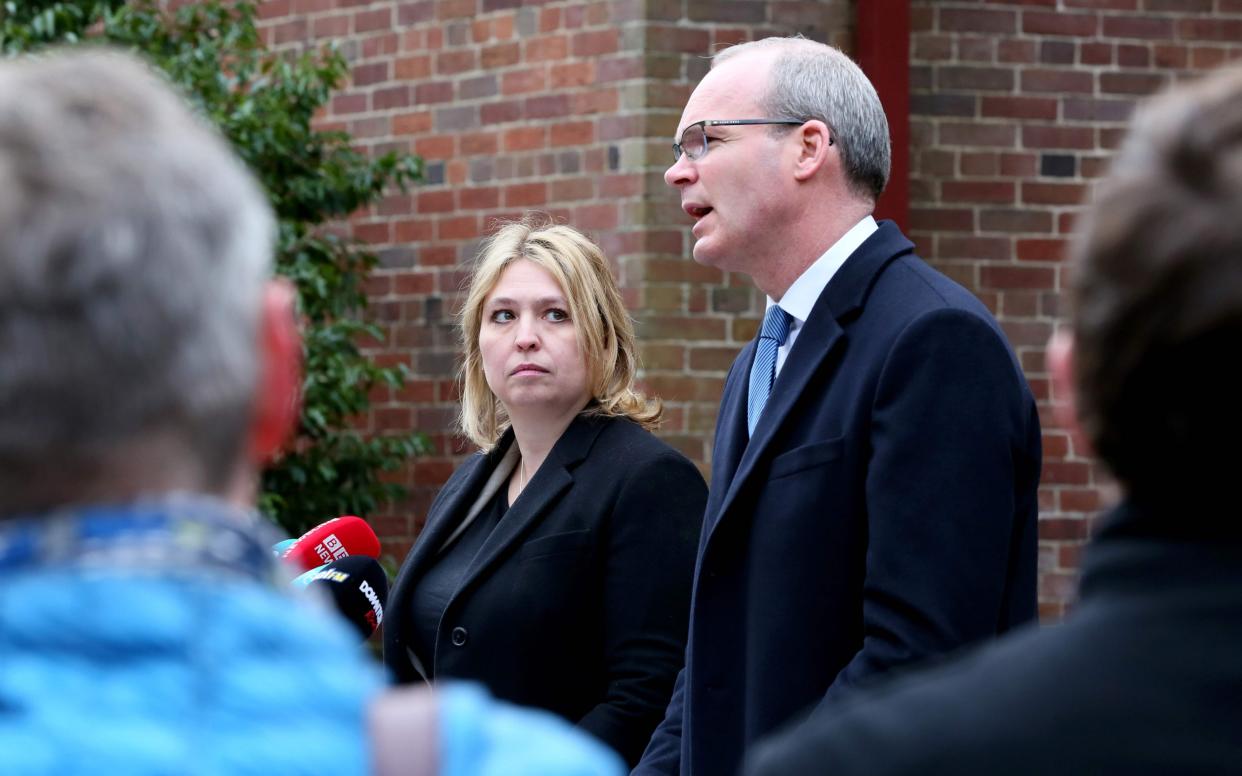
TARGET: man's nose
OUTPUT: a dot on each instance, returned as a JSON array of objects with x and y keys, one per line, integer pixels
[{"x": 681, "y": 172}]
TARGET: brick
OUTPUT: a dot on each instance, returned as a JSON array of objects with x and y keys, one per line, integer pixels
[
  {"x": 674, "y": 327},
  {"x": 501, "y": 112},
  {"x": 479, "y": 198},
  {"x": 1137, "y": 27},
  {"x": 1168, "y": 56},
  {"x": 978, "y": 134},
  {"x": 391, "y": 97},
  {"x": 1057, "y": 52},
  {"x": 1095, "y": 53},
  {"x": 969, "y": 20},
  {"x": 1058, "y": 165},
  {"x": 979, "y": 164},
  {"x": 412, "y": 68},
  {"x": 458, "y": 228},
  {"x": 523, "y": 81},
  {"x": 455, "y": 9},
  {"x": 1019, "y": 277},
  {"x": 410, "y": 14},
  {"x": 456, "y": 61},
  {"x": 930, "y": 48},
  {"x": 434, "y": 92},
  {"x": 369, "y": 21},
  {"x": 974, "y": 78},
  {"x": 1062, "y": 528},
  {"x": 1052, "y": 193},
  {"x": 436, "y": 202},
  {"x": 330, "y": 27},
  {"x": 1015, "y": 51},
  {"x": 1044, "y": 136},
  {"x": 412, "y": 230},
  {"x": 596, "y": 43},
  {"x": 1040, "y": 250},
  {"x": 1024, "y": 220},
  {"x": 972, "y": 49},
  {"x": 1216, "y": 28},
  {"x": 726, "y": 11},
  {"x": 572, "y": 133},
  {"x": 1019, "y": 107},
  {"x": 1133, "y": 55},
  {"x": 1018, "y": 165},
  {"x": 596, "y": 217},
  {"x": 500, "y": 55},
  {"x": 434, "y": 147},
  {"x": 1088, "y": 109},
  {"x": 977, "y": 191},
  {"x": 478, "y": 88},
  {"x": 1104, "y": 5},
  {"x": 525, "y": 195},
  {"x": 1131, "y": 83},
  {"x": 570, "y": 75},
  {"x": 942, "y": 104},
  {"x": 524, "y": 138},
  {"x": 1069, "y": 24},
  {"x": 942, "y": 219},
  {"x": 1057, "y": 81},
  {"x": 955, "y": 247},
  {"x": 370, "y": 73},
  {"x": 546, "y": 48}
]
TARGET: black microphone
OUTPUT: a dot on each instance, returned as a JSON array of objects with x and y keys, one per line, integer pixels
[{"x": 359, "y": 588}]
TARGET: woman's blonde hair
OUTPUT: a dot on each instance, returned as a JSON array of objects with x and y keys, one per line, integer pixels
[{"x": 603, "y": 327}]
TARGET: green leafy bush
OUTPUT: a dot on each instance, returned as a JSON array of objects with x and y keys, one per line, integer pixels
[{"x": 264, "y": 104}]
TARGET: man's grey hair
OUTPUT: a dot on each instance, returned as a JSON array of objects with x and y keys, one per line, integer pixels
[
  {"x": 811, "y": 80},
  {"x": 134, "y": 249}
]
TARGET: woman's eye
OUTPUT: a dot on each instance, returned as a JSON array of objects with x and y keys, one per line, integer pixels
[
  {"x": 502, "y": 316},
  {"x": 556, "y": 316}
]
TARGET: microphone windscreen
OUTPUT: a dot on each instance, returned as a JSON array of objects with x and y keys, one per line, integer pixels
[
  {"x": 333, "y": 540},
  {"x": 359, "y": 589}
]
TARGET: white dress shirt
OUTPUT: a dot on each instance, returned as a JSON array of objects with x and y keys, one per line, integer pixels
[{"x": 805, "y": 291}]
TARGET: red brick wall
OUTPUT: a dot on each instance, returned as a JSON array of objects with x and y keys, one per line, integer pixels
[
  {"x": 566, "y": 107},
  {"x": 1015, "y": 108}
]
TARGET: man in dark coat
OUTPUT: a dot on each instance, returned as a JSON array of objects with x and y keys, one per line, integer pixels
[
  {"x": 1144, "y": 676},
  {"x": 877, "y": 452}
]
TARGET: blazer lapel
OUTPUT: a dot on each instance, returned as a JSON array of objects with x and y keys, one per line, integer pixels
[
  {"x": 454, "y": 501},
  {"x": 554, "y": 477},
  {"x": 731, "y": 434},
  {"x": 821, "y": 337}
]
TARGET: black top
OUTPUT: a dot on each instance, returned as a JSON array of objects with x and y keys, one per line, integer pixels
[
  {"x": 444, "y": 577},
  {"x": 577, "y": 601}
]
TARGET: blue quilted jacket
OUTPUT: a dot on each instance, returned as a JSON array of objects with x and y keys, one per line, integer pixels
[{"x": 160, "y": 638}]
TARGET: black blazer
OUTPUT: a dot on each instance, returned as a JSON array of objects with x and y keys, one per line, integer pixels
[
  {"x": 883, "y": 511},
  {"x": 578, "y": 601},
  {"x": 1143, "y": 677}
]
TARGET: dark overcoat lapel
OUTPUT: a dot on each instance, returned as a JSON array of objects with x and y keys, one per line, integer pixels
[{"x": 817, "y": 347}]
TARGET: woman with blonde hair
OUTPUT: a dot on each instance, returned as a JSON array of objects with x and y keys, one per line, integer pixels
[{"x": 556, "y": 564}]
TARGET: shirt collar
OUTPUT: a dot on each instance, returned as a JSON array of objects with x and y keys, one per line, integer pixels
[{"x": 805, "y": 291}]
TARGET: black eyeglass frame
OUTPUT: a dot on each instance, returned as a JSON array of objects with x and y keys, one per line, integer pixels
[{"x": 678, "y": 149}]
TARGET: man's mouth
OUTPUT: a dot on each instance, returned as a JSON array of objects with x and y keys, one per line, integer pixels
[{"x": 696, "y": 211}]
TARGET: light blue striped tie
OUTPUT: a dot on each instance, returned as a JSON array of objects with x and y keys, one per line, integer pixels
[{"x": 763, "y": 370}]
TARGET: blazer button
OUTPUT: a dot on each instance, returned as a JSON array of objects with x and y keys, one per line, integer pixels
[{"x": 459, "y": 636}]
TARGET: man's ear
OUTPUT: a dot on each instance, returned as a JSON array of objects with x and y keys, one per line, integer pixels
[
  {"x": 815, "y": 144},
  {"x": 277, "y": 401},
  {"x": 1059, "y": 356}
]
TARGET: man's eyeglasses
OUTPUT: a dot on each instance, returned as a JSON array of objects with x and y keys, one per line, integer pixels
[{"x": 694, "y": 137}]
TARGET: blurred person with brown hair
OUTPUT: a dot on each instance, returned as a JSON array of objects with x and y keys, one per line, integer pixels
[
  {"x": 1143, "y": 676},
  {"x": 555, "y": 564}
]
